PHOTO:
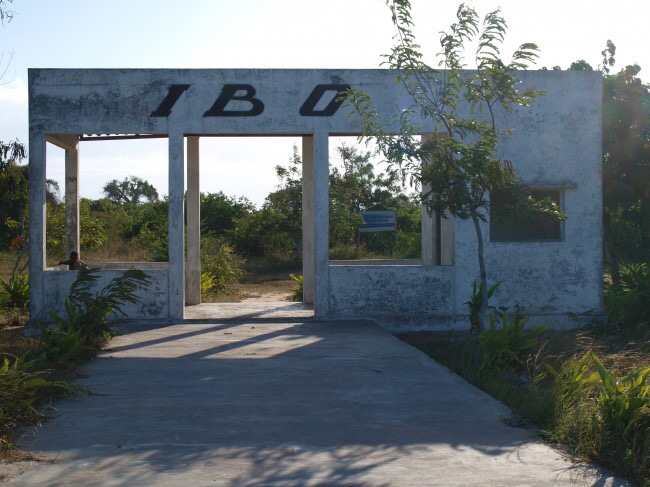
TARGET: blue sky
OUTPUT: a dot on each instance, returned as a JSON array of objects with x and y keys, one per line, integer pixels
[{"x": 265, "y": 34}]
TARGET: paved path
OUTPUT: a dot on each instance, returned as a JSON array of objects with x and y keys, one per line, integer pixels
[{"x": 328, "y": 404}]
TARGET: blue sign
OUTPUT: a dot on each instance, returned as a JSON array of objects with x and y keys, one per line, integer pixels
[{"x": 378, "y": 221}]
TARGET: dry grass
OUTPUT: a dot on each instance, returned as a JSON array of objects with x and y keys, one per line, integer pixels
[
  {"x": 531, "y": 391},
  {"x": 275, "y": 290}
]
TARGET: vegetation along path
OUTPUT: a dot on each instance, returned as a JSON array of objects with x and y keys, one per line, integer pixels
[{"x": 312, "y": 403}]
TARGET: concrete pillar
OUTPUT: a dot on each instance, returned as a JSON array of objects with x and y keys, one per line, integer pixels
[
  {"x": 37, "y": 178},
  {"x": 176, "y": 226},
  {"x": 429, "y": 226},
  {"x": 437, "y": 232},
  {"x": 447, "y": 239},
  {"x": 193, "y": 269},
  {"x": 308, "y": 257},
  {"x": 72, "y": 233},
  {"x": 321, "y": 223}
]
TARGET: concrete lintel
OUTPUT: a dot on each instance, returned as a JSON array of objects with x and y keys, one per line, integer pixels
[{"x": 64, "y": 141}]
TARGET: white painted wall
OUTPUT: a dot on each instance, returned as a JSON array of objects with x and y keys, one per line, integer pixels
[{"x": 556, "y": 142}]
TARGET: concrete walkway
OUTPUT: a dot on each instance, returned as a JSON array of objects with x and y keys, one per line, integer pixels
[{"x": 260, "y": 404}]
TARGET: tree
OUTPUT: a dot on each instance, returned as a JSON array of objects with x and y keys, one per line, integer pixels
[
  {"x": 353, "y": 187},
  {"x": 131, "y": 190},
  {"x": 13, "y": 194},
  {"x": 219, "y": 212},
  {"x": 626, "y": 161},
  {"x": 626, "y": 166},
  {"x": 455, "y": 168},
  {"x": 93, "y": 233}
]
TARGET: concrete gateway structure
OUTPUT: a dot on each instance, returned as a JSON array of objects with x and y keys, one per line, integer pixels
[{"x": 553, "y": 273}]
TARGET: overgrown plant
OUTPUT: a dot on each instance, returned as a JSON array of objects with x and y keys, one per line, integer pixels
[
  {"x": 207, "y": 283},
  {"x": 628, "y": 301},
  {"x": 455, "y": 168},
  {"x": 299, "y": 289},
  {"x": 507, "y": 344},
  {"x": 602, "y": 416},
  {"x": 21, "y": 386},
  {"x": 14, "y": 293},
  {"x": 220, "y": 264},
  {"x": 63, "y": 342},
  {"x": 474, "y": 305}
]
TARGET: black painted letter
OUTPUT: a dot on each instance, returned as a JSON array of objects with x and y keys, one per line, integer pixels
[
  {"x": 165, "y": 107},
  {"x": 228, "y": 93},
  {"x": 308, "y": 108}
]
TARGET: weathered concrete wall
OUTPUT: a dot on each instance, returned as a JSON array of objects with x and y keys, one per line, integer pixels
[
  {"x": 556, "y": 144},
  {"x": 124, "y": 100},
  {"x": 154, "y": 302},
  {"x": 393, "y": 294}
]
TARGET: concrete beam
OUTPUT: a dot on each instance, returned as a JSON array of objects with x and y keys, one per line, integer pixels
[{"x": 63, "y": 141}]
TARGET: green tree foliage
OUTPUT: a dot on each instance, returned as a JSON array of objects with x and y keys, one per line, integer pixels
[
  {"x": 150, "y": 229},
  {"x": 626, "y": 161},
  {"x": 220, "y": 266},
  {"x": 219, "y": 212},
  {"x": 463, "y": 169},
  {"x": 287, "y": 198},
  {"x": 14, "y": 197},
  {"x": 263, "y": 232},
  {"x": 353, "y": 187},
  {"x": 92, "y": 231},
  {"x": 131, "y": 190}
]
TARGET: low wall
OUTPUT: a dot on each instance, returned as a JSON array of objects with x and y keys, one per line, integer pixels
[
  {"x": 154, "y": 302},
  {"x": 392, "y": 294}
]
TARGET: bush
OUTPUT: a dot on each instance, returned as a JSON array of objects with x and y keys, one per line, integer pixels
[
  {"x": 506, "y": 345},
  {"x": 475, "y": 301},
  {"x": 21, "y": 387},
  {"x": 219, "y": 265},
  {"x": 298, "y": 290},
  {"x": 604, "y": 417},
  {"x": 63, "y": 342},
  {"x": 14, "y": 293},
  {"x": 628, "y": 303},
  {"x": 263, "y": 232}
]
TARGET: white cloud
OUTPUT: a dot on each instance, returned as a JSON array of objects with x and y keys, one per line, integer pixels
[{"x": 14, "y": 91}]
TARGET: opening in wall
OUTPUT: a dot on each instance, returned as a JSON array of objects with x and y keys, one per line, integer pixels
[{"x": 524, "y": 228}]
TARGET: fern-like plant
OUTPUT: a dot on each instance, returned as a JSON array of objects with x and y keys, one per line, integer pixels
[
  {"x": 298, "y": 290},
  {"x": 21, "y": 387},
  {"x": 474, "y": 305},
  {"x": 506, "y": 344},
  {"x": 14, "y": 293},
  {"x": 91, "y": 312}
]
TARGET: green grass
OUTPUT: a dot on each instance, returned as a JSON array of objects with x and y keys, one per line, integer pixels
[{"x": 587, "y": 391}]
